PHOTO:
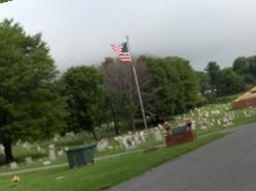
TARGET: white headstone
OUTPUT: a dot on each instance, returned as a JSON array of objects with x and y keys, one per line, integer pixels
[
  {"x": 46, "y": 163},
  {"x": 28, "y": 160},
  {"x": 60, "y": 152},
  {"x": 102, "y": 145},
  {"x": 26, "y": 145},
  {"x": 52, "y": 152},
  {"x": 136, "y": 138},
  {"x": 38, "y": 148},
  {"x": 142, "y": 136},
  {"x": 203, "y": 127},
  {"x": 125, "y": 143},
  {"x": 1, "y": 150},
  {"x": 13, "y": 165},
  {"x": 157, "y": 134},
  {"x": 110, "y": 147}
]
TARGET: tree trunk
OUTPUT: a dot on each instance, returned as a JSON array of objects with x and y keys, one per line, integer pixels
[
  {"x": 116, "y": 129},
  {"x": 131, "y": 125},
  {"x": 115, "y": 122},
  {"x": 95, "y": 136},
  {"x": 8, "y": 151}
]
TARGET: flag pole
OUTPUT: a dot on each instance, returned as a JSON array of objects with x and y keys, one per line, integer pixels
[{"x": 137, "y": 85}]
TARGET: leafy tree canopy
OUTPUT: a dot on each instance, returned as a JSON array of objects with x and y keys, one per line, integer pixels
[
  {"x": 246, "y": 67},
  {"x": 213, "y": 71},
  {"x": 178, "y": 84},
  {"x": 4, "y": 1},
  {"x": 119, "y": 84},
  {"x": 30, "y": 106},
  {"x": 230, "y": 82},
  {"x": 83, "y": 87}
]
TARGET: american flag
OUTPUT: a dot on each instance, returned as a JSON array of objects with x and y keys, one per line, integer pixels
[{"x": 121, "y": 50}]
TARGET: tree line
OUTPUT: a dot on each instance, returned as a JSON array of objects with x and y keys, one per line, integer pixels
[
  {"x": 216, "y": 82},
  {"x": 36, "y": 101}
]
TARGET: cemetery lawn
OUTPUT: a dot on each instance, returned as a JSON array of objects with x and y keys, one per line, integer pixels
[{"x": 104, "y": 174}]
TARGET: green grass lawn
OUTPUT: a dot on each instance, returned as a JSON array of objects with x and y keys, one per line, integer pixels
[
  {"x": 102, "y": 175},
  {"x": 63, "y": 159}
]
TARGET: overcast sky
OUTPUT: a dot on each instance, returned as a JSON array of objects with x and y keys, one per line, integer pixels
[{"x": 81, "y": 31}]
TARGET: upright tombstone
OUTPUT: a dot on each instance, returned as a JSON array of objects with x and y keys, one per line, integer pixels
[
  {"x": 130, "y": 139},
  {"x": 28, "y": 160},
  {"x": 26, "y": 145},
  {"x": 157, "y": 134},
  {"x": 102, "y": 145},
  {"x": 60, "y": 152},
  {"x": 1, "y": 149},
  {"x": 193, "y": 125},
  {"x": 136, "y": 138},
  {"x": 47, "y": 163},
  {"x": 124, "y": 141},
  {"x": 2, "y": 155},
  {"x": 142, "y": 136},
  {"x": 13, "y": 165},
  {"x": 56, "y": 138},
  {"x": 52, "y": 152}
]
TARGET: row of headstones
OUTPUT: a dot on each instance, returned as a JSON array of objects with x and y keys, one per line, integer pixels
[
  {"x": 204, "y": 118},
  {"x": 53, "y": 155},
  {"x": 225, "y": 120},
  {"x": 133, "y": 140},
  {"x": 221, "y": 117}
]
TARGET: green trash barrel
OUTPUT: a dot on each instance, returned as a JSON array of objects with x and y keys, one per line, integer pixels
[{"x": 81, "y": 156}]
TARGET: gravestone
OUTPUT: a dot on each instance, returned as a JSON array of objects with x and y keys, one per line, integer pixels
[
  {"x": 52, "y": 152},
  {"x": 130, "y": 140},
  {"x": 26, "y": 145},
  {"x": 2, "y": 155},
  {"x": 157, "y": 134},
  {"x": 110, "y": 147},
  {"x": 60, "y": 152},
  {"x": 13, "y": 165},
  {"x": 125, "y": 142},
  {"x": 142, "y": 136},
  {"x": 102, "y": 145},
  {"x": 1, "y": 149},
  {"x": 136, "y": 138},
  {"x": 28, "y": 160},
  {"x": 47, "y": 163}
]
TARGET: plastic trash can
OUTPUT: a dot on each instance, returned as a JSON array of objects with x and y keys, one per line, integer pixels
[{"x": 80, "y": 156}]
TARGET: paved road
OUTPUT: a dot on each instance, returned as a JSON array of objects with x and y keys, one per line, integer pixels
[{"x": 228, "y": 164}]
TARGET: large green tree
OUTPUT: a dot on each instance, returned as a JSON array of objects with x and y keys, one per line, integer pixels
[
  {"x": 177, "y": 82},
  {"x": 119, "y": 82},
  {"x": 252, "y": 65},
  {"x": 213, "y": 71},
  {"x": 245, "y": 67},
  {"x": 30, "y": 106},
  {"x": 3, "y": 1},
  {"x": 229, "y": 82},
  {"x": 83, "y": 89},
  {"x": 204, "y": 81},
  {"x": 241, "y": 65},
  {"x": 118, "y": 109}
]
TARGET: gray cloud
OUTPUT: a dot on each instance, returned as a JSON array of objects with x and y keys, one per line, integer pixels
[{"x": 81, "y": 32}]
